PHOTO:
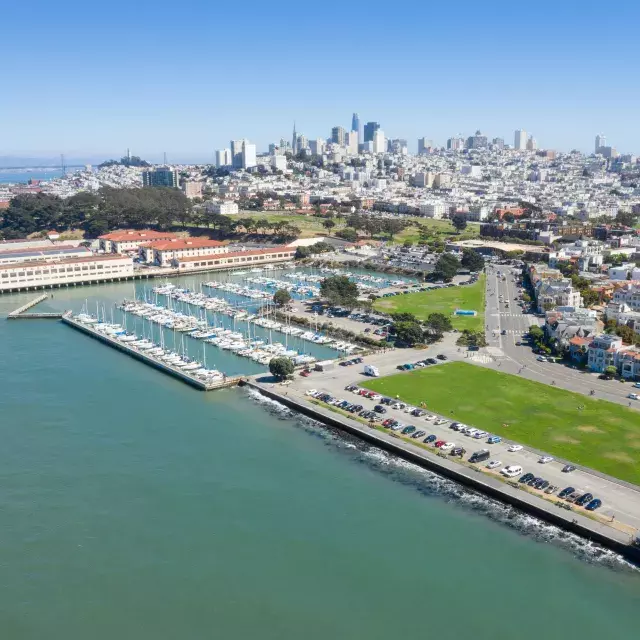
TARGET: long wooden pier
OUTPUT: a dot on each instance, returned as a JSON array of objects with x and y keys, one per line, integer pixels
[
  {"x": 185, "y": 376},
  {"x": 32, "y": 303}
]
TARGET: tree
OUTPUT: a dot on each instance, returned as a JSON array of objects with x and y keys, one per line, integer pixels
[
  {"x": 350, "y": 235},
  {"x": 281, "y": 368},
  {"x": 438, "y": 323},
  {"x": 459, "y": 221},
  {"x": 328, "y": 224},
  {"x": 407, "y": 244},
  {"x": 391, "y": 226},
  {"x": 627, "y": 334},
  {"x": 409, "y": 332},
  {"x": 472, "y": 260},
  {"x": 403, "y": 316},
  {"x": 610, "y": 371},
  {"x": 626, "y": 218},
  {"x": 339, "y": 291},
  {"x": 281, "y": 298},
  {"x": 446, "y": 267}
]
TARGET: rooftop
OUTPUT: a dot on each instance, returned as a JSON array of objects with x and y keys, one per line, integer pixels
[
  {"x": 133, "y": 235},
  {"x": 177, "y": 244},
  {"x": 53, "y": 263}
]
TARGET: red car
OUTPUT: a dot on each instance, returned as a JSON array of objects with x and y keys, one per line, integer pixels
[
  {"x": 370, "y": 394},
  {"x": 439, "y": 443},
  {"x": 305, "y": 373},
  {"x": 387, "y": 422}
]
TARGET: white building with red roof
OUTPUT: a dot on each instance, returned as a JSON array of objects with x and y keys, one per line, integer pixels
[
  {"x": 167, "y": 253},
  {"x": 129, "y": 240}
]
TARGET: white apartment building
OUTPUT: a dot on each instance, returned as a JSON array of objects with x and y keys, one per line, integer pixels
[
  {"x": 436, "y": 210},
  {"x": 167, "y": 254},
  {"x": 472, "y": 170},
  {"x": 628, "y": 294},
  {"x": 558, "y": 292},
  {"x": 379, "y": 145},
  {"x": 621, "y": 272},
  {"x": 424, "y": 179},
  {"x": 223, "y": 158},
  {"x": 248, "y": 155},
  {"x": 478, "y": 213},
  {"x": 224, "y": 207},
  {"x": 602, "y": 352},
  {"x": 56, "y": 273},
  {"x": 520, "y": 140},
  {"x": 279, "y": 162}
]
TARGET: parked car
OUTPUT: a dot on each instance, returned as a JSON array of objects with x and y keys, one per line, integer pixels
[
  {"x": 568, "y": 468},
  {"x": 633, "y": 396},
  {"x": 310, "y": 392},
  {"x": 584, "y": 499},
  {"x": 447, "y": 446},
  {"x": 441, "y": 356},
  {"x": 594, "y": 504},
  {"x": 515, "y": 447},
  {"x": 480, "y": 456},
  {"x": 418, "y": 434},
  {"x": 432, "y": 361},
  {"x": 511, "y": 471},
  {"x": 494, "y": 439},
  {"x": 572, "y": 497},
  {"x": 494, "y": 464},
  {"x": 430, "y": 439},
  {"x": 457, "y": 451},
  {"x": 408, "y": 429},
  {"x": 527, "y": 477},
  {"x": 440, "y": 421},
  {"x": 552, "y": 488},
  {"x": 379, "y": 409},
  {"x": 566, "y": 492},
  {"x": 439, "y": 443},
  {"x": 545, "y": 459}
]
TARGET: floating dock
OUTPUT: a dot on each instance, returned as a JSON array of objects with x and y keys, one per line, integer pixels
[{"x": 185, "y": 376}]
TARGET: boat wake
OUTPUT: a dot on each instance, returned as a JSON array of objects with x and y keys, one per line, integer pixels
[{"x": 432, "y": 485}]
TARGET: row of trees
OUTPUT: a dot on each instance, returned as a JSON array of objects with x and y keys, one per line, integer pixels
[
  {"x": 96, "y": 213},
  {"x": 409, "y": 331}
]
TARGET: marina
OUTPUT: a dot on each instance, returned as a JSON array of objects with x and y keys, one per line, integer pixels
[{"x": 194, "y": 373}]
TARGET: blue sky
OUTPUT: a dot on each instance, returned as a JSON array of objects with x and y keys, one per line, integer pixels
[{"x": 91, "y": 79}]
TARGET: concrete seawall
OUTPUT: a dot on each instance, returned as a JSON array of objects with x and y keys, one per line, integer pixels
[{"x": 492, "y": 487}]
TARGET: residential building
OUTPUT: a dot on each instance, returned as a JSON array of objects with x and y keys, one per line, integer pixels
[
  {"x": 338, "y": 135},
  {"x": 192, "y": 188},
  {"x": 129, "y": 240},
  {"x": 162, "y": 177},
  {"x": 223, "y": 158},
  {"x": 628, "y": 363},
  {"x": 436, "y": 210},
  {"x": 602, "y": 352},
  {"x": 424, "y": 145},
  {"x": 379, "y": 145},
  {"x": 236, "y": 153},
  {"x": 424, "y": 179},
  {"x": 248, "y": 155},
  {"x": 520, "y": 140},
  {"x": 478, "y": 213},
  {"x": 532, "y": 144},
  {"x": 317, "y": 146},
  {"x": 628, "y": 294},
  {"x": 222, "y": 207},
  {"x": 455, "y": 144},
  {"x": 477, "y": 141},
  {"x": 279, "y": 163},
  {"x": 57, "y": 273},
  {"x": 352, "y": 142}
]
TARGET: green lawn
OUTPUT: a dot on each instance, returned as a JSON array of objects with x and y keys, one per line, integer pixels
[
  {"x": 443, "y": 301},
  {"x": 603, "y": 435}
]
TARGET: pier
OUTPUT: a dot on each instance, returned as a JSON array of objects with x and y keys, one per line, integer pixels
[
  {"x": 19, "y": 313},
  {"x": 185, "y": 376}
]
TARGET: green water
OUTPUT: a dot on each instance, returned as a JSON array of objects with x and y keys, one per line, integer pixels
[{"x": 135, "y": 507}]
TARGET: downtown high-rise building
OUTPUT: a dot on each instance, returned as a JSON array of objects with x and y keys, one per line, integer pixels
[
  {"x": 223, "y": 158},
  {"x": 520, "y": 140},
  {"x": 338, "y": 135},
  {"x": 424, "y": 144},
  {"x": 355, "y": 124},
  {"x": 601, "y": 141},
  {"x": 370, "y": 131},
  {"x": 236, "y": 153}
]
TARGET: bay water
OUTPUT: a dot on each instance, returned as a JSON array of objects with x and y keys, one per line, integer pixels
[{"x": 136, "y": 507}]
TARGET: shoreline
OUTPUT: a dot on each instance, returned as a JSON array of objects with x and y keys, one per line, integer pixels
[{"x": 474, "y": 479}]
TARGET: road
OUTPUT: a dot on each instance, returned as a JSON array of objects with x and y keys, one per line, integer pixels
[
  {"x": 620, "y": 501},
  {"x": 503, "y": 353}
]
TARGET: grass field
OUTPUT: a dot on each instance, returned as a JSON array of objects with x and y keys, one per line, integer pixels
[
  {"x": 602, "y": 435},
  {"x": 312, "y": 226},
  {"x": 442, "y": 301}
]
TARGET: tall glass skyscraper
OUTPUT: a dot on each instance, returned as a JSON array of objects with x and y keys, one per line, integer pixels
[
  {"x": 355, "y": 124},
  {"x": 370, "y": 131}
]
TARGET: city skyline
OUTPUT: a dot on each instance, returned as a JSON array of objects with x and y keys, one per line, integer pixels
[{"x": 76, "y": 91}]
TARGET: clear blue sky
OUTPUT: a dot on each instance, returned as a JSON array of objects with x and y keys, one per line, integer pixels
[{"x": 89, "y": 78}]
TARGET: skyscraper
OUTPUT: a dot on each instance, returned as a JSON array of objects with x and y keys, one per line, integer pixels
[
  {"x": 601, "y": 141},
  {"x": 236, "y": 153},
  {"x": 163, "y": 177},
  {"x": 423, "y": 145},
  {"x": 370, "y": 131},
  {"x": 520, "y": 140},
  {"x": 338, "y": 135},
  {"x": 355, "y": 124},
  {"x": 248, "y": 155},
  {"x": 294, "y": 141}
]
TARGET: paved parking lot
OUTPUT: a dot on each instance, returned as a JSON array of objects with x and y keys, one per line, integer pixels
[{"x": 620, "y": 501}]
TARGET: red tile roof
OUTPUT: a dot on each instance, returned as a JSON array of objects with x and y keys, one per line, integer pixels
[
  {"x": 133, "y": 235},
  {"x": 184, "y": 243}
]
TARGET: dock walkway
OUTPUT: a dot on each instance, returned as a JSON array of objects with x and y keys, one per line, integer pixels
[
  {"x": 185, "y": 376},
  {"x": 17, "y": 313}
]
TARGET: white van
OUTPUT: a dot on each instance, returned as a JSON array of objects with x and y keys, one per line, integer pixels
[{"x": 370, "y": 370}]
